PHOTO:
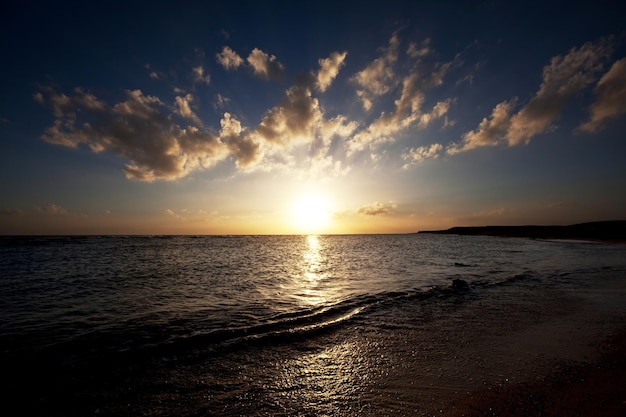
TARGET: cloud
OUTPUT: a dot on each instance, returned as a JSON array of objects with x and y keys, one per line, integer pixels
[
  {"x": 490, "y": 132},
  {"x": 329, "y": 68},
  {"x": 52, "y": 209},
  {"x": 11, "y": 212},
  {"x": 38, "y": 97},
  {"x": 221, "y": 102},
  {"x": 153, "y": 74},
  {"x": 611, "y": 101},
  {"x": 229, "y": 59},
  {"x": 199, "y": 76},
  {"x": 295, "y": 119},
  {"x": 184, "y": 109},
  {"x": 376, "y": 208},
  {"x": 563, "y": 77},
  {"x": 167, "y": 142},
  {"x": 265, "y": 66},
  {"x": 240, "y": 141},
  {"x": 421, "y": 50},
  {"x": 438, "y": 111},
  {"x": 378, "y": 77},
  {"x": 407, "y": 112},
  {"x": 415, "y": 155},
  {"x": 337, "y": 126},
  {"x": 139, "y": 129},
  {"x": 175, "y": 215}
]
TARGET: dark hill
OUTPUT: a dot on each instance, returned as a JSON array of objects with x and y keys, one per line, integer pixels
[{"x": 605, "y": 230}]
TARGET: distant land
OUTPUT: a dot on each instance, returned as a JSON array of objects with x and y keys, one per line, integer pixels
[{"x": 609, "y": 231}]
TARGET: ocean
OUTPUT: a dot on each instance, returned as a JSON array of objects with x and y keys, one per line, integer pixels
[{"x": 292, "y": 325}]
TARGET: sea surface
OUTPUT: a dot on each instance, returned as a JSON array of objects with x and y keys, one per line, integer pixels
[{"x": 287, "y": 325}]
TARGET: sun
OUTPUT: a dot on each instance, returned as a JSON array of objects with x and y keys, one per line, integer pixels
[{"x": 311, "y": 213}]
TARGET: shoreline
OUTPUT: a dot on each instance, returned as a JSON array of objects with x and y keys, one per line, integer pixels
[
  {"x": 601, "y": 232},
  {"x": 521, "y": 351}
]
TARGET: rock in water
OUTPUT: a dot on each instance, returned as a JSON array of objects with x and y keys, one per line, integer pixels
[{"x": 459, "y": 284}]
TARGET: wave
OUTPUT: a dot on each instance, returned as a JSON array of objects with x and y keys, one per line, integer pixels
[
  {"x": 285, "y": 328},
  {"x": 130, "y": 345}
]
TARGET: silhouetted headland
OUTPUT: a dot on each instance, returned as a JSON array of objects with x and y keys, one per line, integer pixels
[{"x": 608, "y": 231}]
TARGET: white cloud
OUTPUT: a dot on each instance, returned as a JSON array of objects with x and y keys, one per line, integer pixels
[
  {"x": 415, "y": 155},
  {"x": 53, "y": 209},
  {"x": 329, "y": 68},
  {"x": 184, "y": 109},
  {"x": 611, "y": 101},
  {"x": 229, "y": 58},
  {"x": 294, "y": 120},
  {"x": 490, "y": 132},
  {"x": 158, "y": 146},
  {"x": 564, "y": 77},
  {"x": 166, "y": 141},
  {"x": 153, "y": 74},
  {"x": 221, "y": 102},
  {"x": 421, "y": 50},
  {"x": 138, "y": 129},
  {"x": 439, "y": 110},
  {"x": 378, "y": 77},
  {"x": 199, "y": 76},
  {"x": 265, "y": 66},
  {"x": 240, "y": 141},
  {"x": 407, "y": 111},
  {"x": 376, "y": 208},
  {"x": 337, "y": 126},
  {"x": 175, "y": 215}
]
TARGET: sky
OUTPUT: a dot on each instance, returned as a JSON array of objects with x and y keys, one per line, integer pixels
[{"x": 250, "y": 117}]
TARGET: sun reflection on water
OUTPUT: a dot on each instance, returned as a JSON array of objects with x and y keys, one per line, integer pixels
[
  {"x": 312, "y": 281},
  {"x": 332, "y": 381}
]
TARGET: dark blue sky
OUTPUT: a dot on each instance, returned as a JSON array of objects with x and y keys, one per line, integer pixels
[{"x": 399, "y": 116}]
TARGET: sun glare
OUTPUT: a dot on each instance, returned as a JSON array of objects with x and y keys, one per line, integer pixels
[{"x": 310, "y": 213}]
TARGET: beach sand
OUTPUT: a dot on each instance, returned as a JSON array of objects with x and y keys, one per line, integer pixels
[
  {"x": 540, "y": 351},
  {"x": 596, "y": 388},
  {"x": 574, "y": 356}
]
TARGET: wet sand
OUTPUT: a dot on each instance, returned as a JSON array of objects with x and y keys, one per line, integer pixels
[
  {"x": 594, "y": 389},
  {"x": 531, "y": 348},
  {"x": 534, "y": 351}
]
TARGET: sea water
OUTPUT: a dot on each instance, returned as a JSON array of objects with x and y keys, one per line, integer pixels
[{"x": 272, "y": 325}]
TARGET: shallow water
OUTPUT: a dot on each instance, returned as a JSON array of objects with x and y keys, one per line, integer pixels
[{"x": 288, "y": 325}]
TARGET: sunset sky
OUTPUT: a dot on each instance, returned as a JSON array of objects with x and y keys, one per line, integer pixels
[{"x": 310, "y": 117}]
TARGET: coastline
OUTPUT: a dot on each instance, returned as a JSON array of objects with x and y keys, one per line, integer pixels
[
  {"x": 582, "y": 356},
  {"x": 603, "y": 232},
  {"x": 522, "y": 351},
  {"x": 522, "y": 340}
]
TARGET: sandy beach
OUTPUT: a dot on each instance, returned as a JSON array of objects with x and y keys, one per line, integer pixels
[
  {"x": 594, "y": 388},
  {"x": 539, "y": 329},
  {"x": 575, "y": 361},
  {"x": 532, "y": 352}
]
